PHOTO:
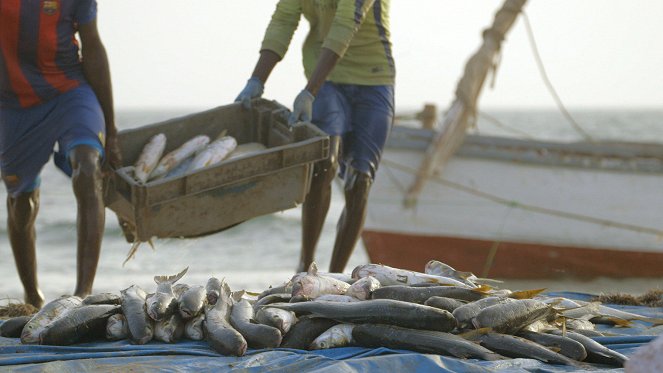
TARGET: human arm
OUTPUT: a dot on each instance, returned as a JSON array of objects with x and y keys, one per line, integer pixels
[
  {"x": 97, "y": 73},
  {"x": 347, "y": 21},
  {"x": 274, "y": 47}
]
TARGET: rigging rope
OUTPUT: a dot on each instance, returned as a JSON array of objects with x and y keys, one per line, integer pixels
[
  {"x": 524, "y": 206},
  {"x": 546, "y": 80},
  {"x": 505, "y": 127}
]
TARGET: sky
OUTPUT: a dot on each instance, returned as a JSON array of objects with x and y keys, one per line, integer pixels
[{"x": 172, "y": 54}]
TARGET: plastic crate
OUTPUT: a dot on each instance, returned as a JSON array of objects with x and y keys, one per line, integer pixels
[{"x": 224, "y": 195}]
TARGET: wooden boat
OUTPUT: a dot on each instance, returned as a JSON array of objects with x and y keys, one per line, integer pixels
[
  {"x": 510, "y": 208},
  {"x": 521, "y": 209}
]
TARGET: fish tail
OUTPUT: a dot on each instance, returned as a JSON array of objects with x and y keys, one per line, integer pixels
[
  {"x": 132, "y": 252},
  {"x": 526, "y": 294},
  {"x": 172, "y": 279}
]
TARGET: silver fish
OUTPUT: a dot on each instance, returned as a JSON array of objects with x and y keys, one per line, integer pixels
[
  {"x": 117, "y": 327},
  {"x": 378, "y": 311},
  {"x": 337, "y": 336},
  {"x": 256, "y": 335},
  {"x": 213, "y": 289},
  {"x": 79, "y": 324},
  {"x": 181, "y": 169},
  {"x": 424, "y": 341},
  {"x": 246, "y": 149},
  {"x": 596, "y": 352},
  {"x": 363, "y": 288},
  {"x": 511, "y": 317},
  {"x": 141, "y": 327},
  {"x": 179, "y": 289},
  {"x": 170, "y": 329},
  {"x": 395, "y": 276},
  {"x": 49, "y": 313},
  {"x": 149, "y": 157},
  {"x": 164, "y": 303},
  {"x": 564, "y": 345},
  {"x": 192, "y": 302},
  {"x": 517, "y": 347},
  {"x": 465, "y": 313},
  {"x": 193, "y": 329},
  {"x": 336, "y": 298},
  {"x": 221, "y": 336},
  {"x": 443, "y": 303},
  {"x": 281, "y": 319},
  {"x": 177, "y": 156},
  {"x": 313, "y": 285},
  {"x": 102, "y": 298},
  {"x": 214, "y": 152}
]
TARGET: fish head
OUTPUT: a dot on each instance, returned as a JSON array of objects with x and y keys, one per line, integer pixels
[
  {"x": 319, "y": 345},
  {"x": 161, "y": 305},
  {"x": 305, "y": 286},
  {"x": 192, "y": 302},
  {"x": 29, "y": 333},
  {"x": 212, "y": 297}
]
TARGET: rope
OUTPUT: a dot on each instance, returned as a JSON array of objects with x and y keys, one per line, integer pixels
[
  {"x": 503, "y": 126},
  {"x": 528, "y": 207},
  {"x": 546, "y": 80}
]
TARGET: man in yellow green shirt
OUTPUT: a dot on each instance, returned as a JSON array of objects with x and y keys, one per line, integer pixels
[{"x": 350, "y": 69}]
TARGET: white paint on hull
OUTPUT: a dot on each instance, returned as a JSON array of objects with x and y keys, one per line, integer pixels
[{"x": 633, "y": 198}]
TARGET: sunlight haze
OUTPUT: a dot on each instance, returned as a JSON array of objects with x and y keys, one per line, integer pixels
[{"x": 598, "y": 54}]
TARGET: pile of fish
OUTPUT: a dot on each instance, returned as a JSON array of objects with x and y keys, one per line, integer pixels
[
  {"x": 440, "y": 311},
  {"x": 195, "y": 154}
]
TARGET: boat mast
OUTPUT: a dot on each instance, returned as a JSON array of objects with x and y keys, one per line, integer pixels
[{"x": 464, "y": 107}]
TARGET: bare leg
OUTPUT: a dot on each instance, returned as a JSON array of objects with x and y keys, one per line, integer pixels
[
  {"x": 316, "y": 205},
  {"x": 87, "y": 183},
  {"x": 22, "y": 212},
  {"x": 351, "y": 222}
]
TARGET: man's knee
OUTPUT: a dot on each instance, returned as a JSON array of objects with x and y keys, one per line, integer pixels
[
  {"x": 357, "y": 181},
  {"x": 22, "y": 209},
  {"x": 85, "y": 163}
]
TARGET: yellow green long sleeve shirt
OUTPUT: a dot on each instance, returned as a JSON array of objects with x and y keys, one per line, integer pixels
[{"x": 356, "y": 30}]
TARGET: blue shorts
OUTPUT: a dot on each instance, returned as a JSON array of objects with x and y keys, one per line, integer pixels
[
  {"x": 362, "y": 116},
  {"x": 28, "y": 136}
]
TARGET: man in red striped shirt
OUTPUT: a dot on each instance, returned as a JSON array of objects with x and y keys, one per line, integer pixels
[{"x": 53, "y": 90}]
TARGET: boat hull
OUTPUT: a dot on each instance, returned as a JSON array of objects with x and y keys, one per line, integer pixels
[
  {"x": 495, "y": 259},
  {"x": 521, "y": 209}
]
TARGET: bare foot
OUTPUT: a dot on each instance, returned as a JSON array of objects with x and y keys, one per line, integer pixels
[{"x": 36, "y": 299}]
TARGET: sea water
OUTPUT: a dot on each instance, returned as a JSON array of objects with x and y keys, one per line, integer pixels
[{"x": 263, "y": 251}]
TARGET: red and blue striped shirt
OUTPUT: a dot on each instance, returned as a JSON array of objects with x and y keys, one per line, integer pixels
[{"x": 39, "y": 53}]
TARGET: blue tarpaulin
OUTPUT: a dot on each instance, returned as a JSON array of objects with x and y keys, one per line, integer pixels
[{"x": 189, "y": 355}]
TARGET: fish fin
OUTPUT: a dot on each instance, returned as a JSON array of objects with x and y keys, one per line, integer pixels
[
  {"x": 132, "y": 252},
  {"x": 237, "y": 295},
  {"x": 620, "y": 322},
  {"x": 474, "y": 334},
  {"x": 222, "y": 133},
  {"x": 482, "y": 280},
  {"x": 483, "y": 289},
  {"x": 526, "y": 294},
  {"x": 313, "y": 269},
  {"x": 656, "y": 322},
  {"x": 465, "y": 275},
  {"x": 226, "y": 288},
  {"x": 172, "y": 279}
]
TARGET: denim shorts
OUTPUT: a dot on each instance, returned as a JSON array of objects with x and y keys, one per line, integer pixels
[
  {"x": 362, "y": 116},
  {"x": 28, "y": 136}
]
